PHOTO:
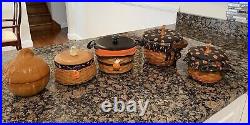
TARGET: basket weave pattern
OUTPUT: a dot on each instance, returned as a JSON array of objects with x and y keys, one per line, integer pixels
[
  {"x": 110, "y": 69},
  {"x": 106, "y": 64},
  {"x": 159, "y": 58},
  {"x": 205, "y": 77},
  {"x": 66, "y": 77}
]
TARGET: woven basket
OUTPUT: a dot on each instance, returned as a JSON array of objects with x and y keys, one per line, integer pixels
[
  {"x": 107, "y": 64},
  {"x": 159, "y": 58},
  {"x": 74, "y": 77},
  {"x": 162, "y": 46},
  {"x": 205, "y": 77}
]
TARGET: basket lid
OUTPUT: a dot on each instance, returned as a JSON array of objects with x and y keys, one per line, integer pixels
[
  {"x": 162, "y": 36},
  {"x": 206, "y": 58},
  {"x": 27, "y": 67},
  {"x": 114, "y": 42},
  {"x": 73, "y": 57},
  {"x": 207, "y": 53}
]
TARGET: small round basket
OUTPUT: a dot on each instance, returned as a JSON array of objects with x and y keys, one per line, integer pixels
[
  {"x": 74, "y": 68},
  {"x": 162, "y": 46}
]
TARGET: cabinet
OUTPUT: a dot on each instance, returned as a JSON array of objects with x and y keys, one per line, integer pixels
[
  {"x": 244, "y": 117},
  {"x": 237, "y": 111}
]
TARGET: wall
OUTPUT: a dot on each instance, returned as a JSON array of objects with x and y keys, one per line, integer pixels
[
  {"x": 7, "y": 12},
  {"x": 76, "y": 19},
  {"x": 87, "y": 20},
  {"x": 58, "y": 12},
  {"x": 208, "y": 9}
]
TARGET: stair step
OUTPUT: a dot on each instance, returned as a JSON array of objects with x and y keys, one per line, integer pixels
[
  {"x": 32, "y": 10},
  {"x": 35, "y": 3},
  {"x": 41, "y": 27},
  {"x": 40, "y": 14},
  {"x": 39, "y": 19}
]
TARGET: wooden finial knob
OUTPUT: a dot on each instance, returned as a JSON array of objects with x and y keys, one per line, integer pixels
[
  {"x": 73, "y": 51},
  {"x": 208, "y": 50},
  {"x": 162, "y": 31}
]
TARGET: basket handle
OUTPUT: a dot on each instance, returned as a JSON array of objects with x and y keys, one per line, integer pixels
[{"x": 91, "y": 44}]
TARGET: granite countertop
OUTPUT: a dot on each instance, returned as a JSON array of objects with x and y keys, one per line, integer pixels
[{"x": 173, "y": 96}]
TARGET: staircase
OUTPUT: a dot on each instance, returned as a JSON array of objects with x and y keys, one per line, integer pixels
[{"x": 40, "y": 19}]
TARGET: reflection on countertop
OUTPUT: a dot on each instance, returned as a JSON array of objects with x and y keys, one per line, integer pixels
[{"x": 174, "y": 97}]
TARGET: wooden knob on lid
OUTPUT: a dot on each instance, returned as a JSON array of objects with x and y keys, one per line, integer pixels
[
  {"x": 73, "y": 51},
  {"x": 163, "y": 31},
  {"x": 208, "y": 48}
]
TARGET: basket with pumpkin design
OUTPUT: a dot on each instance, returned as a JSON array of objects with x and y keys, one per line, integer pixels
[
  {"x": 162, "y": 46},
  {"x": 206, "y": 64},
  {"x": 74, "y": 66},
  {"x": 115, "y": 54}
]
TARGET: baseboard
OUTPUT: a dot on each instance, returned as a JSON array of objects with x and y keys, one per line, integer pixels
[
  {"x": 73, "y": 36},
  {"x": 154, "y": 6},
  {"x": 63, "y": 25}
]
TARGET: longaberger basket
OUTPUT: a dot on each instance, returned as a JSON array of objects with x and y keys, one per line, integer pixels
[
  {"x": 74, "y": 66},
  {"x": 115, "y": 54},
  {"x": 162, "y": 46}
]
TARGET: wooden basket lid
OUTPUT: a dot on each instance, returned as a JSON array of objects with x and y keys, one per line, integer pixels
[
  {"x": 206, "y": 58},
  {"x": 114, "y": 43},
  {"x": 66, "y": 58},
  {"x": 163, "y": 35},
  {"x": 200, "y": 52},
  {"x": 27, "y": 67}
]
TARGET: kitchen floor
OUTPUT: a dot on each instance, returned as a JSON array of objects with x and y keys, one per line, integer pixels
[{"x": 46, "y": 38}]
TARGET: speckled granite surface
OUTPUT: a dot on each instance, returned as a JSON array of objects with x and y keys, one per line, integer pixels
[
  {"x": 207, "y": 27},
  {"x": 173, "y": 96}
]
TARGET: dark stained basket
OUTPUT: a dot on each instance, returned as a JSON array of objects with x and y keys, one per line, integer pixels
[
  {"x": 162, "y": 46},
  {"x": 206, "y": 64}
]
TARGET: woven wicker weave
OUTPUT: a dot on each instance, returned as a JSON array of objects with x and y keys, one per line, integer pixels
[
  {"x": 159, "y": 58},
  {"x": 69, "y": 77},
  {"x": 110, "y": 69},
  {"x": 205, "y": 77},
  {"x": 107, "y": 64}
]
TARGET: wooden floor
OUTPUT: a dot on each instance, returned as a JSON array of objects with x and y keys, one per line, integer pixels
[{"x": 46, "y": 38}]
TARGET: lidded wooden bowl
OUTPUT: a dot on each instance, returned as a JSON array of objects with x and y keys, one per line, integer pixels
[
  {"x": 28, "y": 74},
  {"x": 162, "y": 46},
  {"x": 206, "y": 64},
  {"x": 74, "y": 66},
  {"x": 115, "y": 54}
]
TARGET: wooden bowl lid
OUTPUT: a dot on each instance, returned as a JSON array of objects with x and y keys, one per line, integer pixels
[
  {"x": 114, "y": 43},
  {"x": 27, "y": 67},
  {"x": 163, "y": 36},
  {"x": 206, "y": 58},
  {"x": 207, "y": 53},
  {"x": 66, "y": 58}
]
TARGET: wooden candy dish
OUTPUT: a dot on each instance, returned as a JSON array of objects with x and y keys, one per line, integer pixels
[
  {"x": 74, "y": 66},
  {"x": 206, "y": 64},
  {"x": 162, "y": 46},
  {"x": 27, "y": 74}
]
